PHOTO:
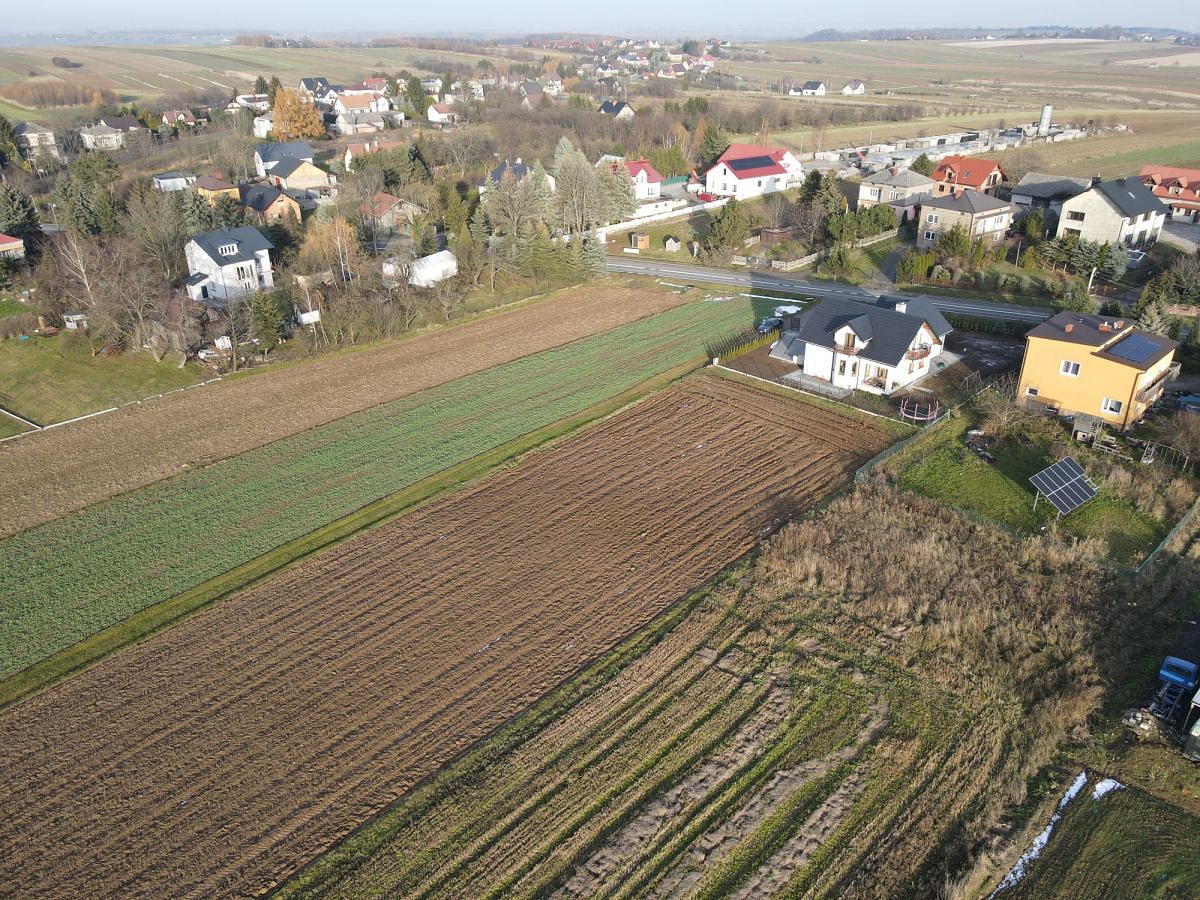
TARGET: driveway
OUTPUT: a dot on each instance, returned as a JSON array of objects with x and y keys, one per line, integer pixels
[{"x": 1183, "y": 235}]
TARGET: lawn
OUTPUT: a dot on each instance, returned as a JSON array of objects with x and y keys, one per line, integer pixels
[
  {"x": 940, "y": 466},
  {"x": 52, "y": 379},
  {"x": 9, "y": 307},
  {"x": 65, "y": 580}
]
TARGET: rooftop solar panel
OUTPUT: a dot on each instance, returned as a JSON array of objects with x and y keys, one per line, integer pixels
[
  {"x": 1136, "y": 348},
  {"x": 750, "y": 162},
  {"x": 1065, "y": 485}
]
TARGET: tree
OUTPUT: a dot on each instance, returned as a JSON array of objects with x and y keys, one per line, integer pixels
[
  {"x": 261, "y": 85},
  {"x": 692, "y": 47},
  {"x": 415, "y": 95},
  {"x": 578, "y": 204},
  {"x": 1185, "y": 276},
  {"x": 713, "y": 142},
  {"x": 923, "y": 165},
  {"x": 1077, "y": 299},
  {"x": 296, "y": 120},
  {"x": 1034, "y": 225},
  {"x": 618, "y": 197},
  {"x": 729, "y": 230},
  {"x": 273, "y": 89},
  {"x": 953, "y": 243},
  {"x": 8, "y": 143},
  {"x": 512, "y": 204},
  {"x": 1155, "y": 320},
  {"x": 154, "y": 222},
  {"x": 266, "y": 320},
  {"x": 18, "y": 218}
]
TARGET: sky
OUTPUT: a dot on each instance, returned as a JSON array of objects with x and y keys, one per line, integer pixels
[{"x": 662, "y": 17}]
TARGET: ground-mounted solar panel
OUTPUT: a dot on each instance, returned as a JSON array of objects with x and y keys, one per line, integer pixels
[
  {"x": 1137, "y": 348},
  {"x": 1065, "y": 485},
  {"x": 750, "y": 162}
]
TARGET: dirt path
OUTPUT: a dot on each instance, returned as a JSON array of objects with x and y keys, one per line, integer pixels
[
  {"x": 54, "y": 472},
  {"x": 217, "y": 757}
]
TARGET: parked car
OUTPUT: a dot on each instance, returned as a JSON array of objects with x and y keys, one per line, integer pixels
[{"x": 769, "y": 324}]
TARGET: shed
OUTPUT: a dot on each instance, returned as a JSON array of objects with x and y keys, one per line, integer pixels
[
  {"x": 671, "y": 244},
  {"x": 429, "y": 270},
  {"x": 1086, "y": 427},
  {"x": 639, "y": 240},
  {"x": 769, "y": 237},
  {"x": 75, "y": 320}
]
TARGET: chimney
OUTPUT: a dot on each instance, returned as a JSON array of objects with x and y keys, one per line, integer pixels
[
  {"x": 1120, "y": 324},
  {"x": 1096, "y": 179},
  {"x": 1104, "y": 326},
  {"x": 1068, "y": 327}
]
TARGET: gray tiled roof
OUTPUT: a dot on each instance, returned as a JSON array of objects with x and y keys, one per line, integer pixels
[
  {"x": 888, "y": 333},
  {"x": 905, "y": 178},
  {"x": 248, "y": 240},
  {"x": 1050, "y": 187},
  {"x": 968, "y": 201},
  {"x": 288, "y": 150},
  {"x": 1130, "y": 197}
]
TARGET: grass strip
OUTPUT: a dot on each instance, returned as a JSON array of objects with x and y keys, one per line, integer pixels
[{"x": 159, "y": 616}]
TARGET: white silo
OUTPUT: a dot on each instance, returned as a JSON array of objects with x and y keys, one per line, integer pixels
[{"x": 1044, "y": 122}]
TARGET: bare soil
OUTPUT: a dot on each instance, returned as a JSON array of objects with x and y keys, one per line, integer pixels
[
  {"x": 54, "y": 472},
  {"x": 219, "y": 756}
]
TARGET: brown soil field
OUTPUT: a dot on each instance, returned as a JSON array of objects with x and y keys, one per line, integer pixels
[
  {"x": 219, "y": 756},
  {"x": 63, "y": 469}
]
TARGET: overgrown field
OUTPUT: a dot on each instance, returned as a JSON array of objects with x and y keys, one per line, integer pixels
[
  {"x": 847, "y": 717},
  {"x": 64, "y": 580},
  {"x": 221, "y": 755}
]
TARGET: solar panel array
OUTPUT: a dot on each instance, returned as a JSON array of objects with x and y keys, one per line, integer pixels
[
  {"x": 1065, "y": 485},
  {"x": 1137, "y": 348},
  {"x": 750, "y": 162}
]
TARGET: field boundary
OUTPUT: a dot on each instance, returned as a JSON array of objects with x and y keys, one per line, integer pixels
[
  {"x": 156, "y": 618},
  {"x": 788, "y": 387}
]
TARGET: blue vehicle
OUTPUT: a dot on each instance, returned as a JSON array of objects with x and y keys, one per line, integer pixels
[
  {"x": 1177, "y": 679},
  {"x": 1189, "y": 403}
]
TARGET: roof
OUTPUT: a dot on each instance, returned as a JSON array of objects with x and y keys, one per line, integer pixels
[
  {"x": 812, "y": 85},
  {"x": 855, "y": 83},
  {"x": 258, "y": 197},
  {"x": 517, "y": 170},
  {"x": 378, "y": 205},
  {"x": 314, "y": 83},
  {"x": 1050, "y": 187},
  {"x": 249, "y": 241},
  {"x": 287, "y": 150},
  {"x": 919, "y": 305},
  {"x": 169, "y": 176},
  {"x": 212, "y": 183},
  {"x": 637, "y": 166},
  {"x": 1130, "y": 197},
  {"x": 1112, "y": 338},
  {"x": 443, "y": 109},
  {"x": 6, "y": 239},
  {"x": 286, "y": 167},
  {"x": 612, "y": 107},
  {"x": 970, "y": 171},
  {"x": 1172, "y": 184},
  {"x": 973, "y": 202},
  {"x": 889, "y": 333},
  {"x": 357, "y": 101},
  {"x": 896, "y": 177},
  {"x": 122, "y": 123},
  {"x": 31, "y": 128},
  {"x": 753, "y": 160}
]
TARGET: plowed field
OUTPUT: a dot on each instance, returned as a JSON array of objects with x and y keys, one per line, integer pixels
[
  {"x": 217, "y": 757},
  {"x": 54, "y": 472}
]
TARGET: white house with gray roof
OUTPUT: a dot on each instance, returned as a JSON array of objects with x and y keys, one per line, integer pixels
[
  {"x": 893, "y": 185},
  {"x": 227, "y": 264},
  {"x": 1122, "y": 211},
  {"x": 268, "y": 156},
  {"x": 857, "y": 346}
]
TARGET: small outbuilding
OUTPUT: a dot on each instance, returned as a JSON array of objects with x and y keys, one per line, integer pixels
[
  {"x": 429, "y": 270},
  {"x": 75, "y": 320},
  {"x": 639, "y": 240},
  {"x": 671, "y": 244}
]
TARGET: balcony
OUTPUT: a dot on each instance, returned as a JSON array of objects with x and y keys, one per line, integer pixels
[
  {"x": 919, "y": 352},
  {"x": 848, "y": 351}
]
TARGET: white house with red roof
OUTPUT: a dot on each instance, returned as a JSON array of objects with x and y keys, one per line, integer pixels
[
  {"x": 955, "y": 172},
  {"x": 647, "y": 182},
  {"x": 1178, "y": 188},
  {"x": 11, "y": 247},
  {"x": 751, "y": 170}
]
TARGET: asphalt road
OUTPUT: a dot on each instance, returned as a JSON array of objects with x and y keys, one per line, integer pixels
[{"x": 773, "y": 281}]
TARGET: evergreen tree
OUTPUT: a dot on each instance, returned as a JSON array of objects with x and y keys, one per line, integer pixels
[
  {"x": 540, "y": 182},
  {"x": 18, "y": 218},
  {"x": 266, "y": 320},
  {"x": 829, "y": 196},
  {"x": 273, "y": 89},
  {"x": 713, "y": 142},
  {"x": 595, "y": 256},
  {"x": 8, "y": 143},
  {"x": 415, "y": 95},
  {"x": 261, "y": 85},
  {"x": 73, "y": 203},
  {"x": 563, "y": 149},
  {"x": 729, "y": 230},
  {"x": 923, "y": 165},
  {"x": 1154, "y": 319},
  {"x": 618, "y": 197}
]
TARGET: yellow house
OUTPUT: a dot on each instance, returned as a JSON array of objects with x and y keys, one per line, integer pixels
[
  {"x": 210, "y": 188},
  {"x": 1095, "y": 365}
]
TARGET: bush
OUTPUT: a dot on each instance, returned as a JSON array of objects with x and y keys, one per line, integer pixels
[{"x": 21, "y": 323}]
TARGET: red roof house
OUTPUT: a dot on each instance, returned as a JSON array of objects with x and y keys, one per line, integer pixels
[
  {"x": 11, "y": 247},
  {"x": 751, "y": 170},
  {"x": 966, "y": 172},
  {"x": 1177, "y": 188}
]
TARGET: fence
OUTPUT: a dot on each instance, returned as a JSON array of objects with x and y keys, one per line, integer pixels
[
  {"x": 1184, "y": 521},
  {"x": 619, "y": 227},
  {"x": 801, "y": 262}
]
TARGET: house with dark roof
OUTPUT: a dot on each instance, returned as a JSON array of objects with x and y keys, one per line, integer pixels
[
  {"x": 35, "y": 139},
  {"x": 516, "y": 171},
  {"x": 857, "y": 346},
  {"x": 899, "y": 187},
  {"x": 854, "y": 88},
  {"x": 314, "y": 88},
  {"x": 268, "y": 156},
  {"x": 809, "y": 89},
  {"x": 1036, "y": 190},
  {"x": 618, "y": 109},
  {"x": 1092, "y": 365},
  {"x": 981, "y": 215},
  {"x": 300, "y": 175},
  {"x": 751, "y": 170},
  {"x": 955, "y": 172},
  {"x": 1121, "y": 211},
  {"x": 228, "y": 264},
  {"x": 268, "y": 203},
  {"x": 1178, "y": 188}
]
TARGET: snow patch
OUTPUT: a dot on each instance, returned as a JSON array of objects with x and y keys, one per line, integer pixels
[
  {"x": 1017, "y": 872},
  {"x": 1108, "y": 784}
]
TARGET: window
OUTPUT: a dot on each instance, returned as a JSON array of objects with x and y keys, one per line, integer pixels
[
  {"x": 931, "y": 235},
  {"x": 1031, "y": 392},
  {"x": 1075, "y": 216},
  {"x": 932, "y": 218},
  {"x": 227, "y": 249},
  {"x": 842, "y": 367},
  {"x": 1072, "y": 231},
  {"x": 1069, "y": 368},
  {"x": 1109, "y": 405}
]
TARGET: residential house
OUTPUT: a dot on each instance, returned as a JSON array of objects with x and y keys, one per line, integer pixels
[
  {"x": 256, "y": 103},
  {"x": 101, "y": 137},
  {"x": 552, "y": 86},
  {"x": 1178, "y": 188},
  {"x": 168, "y": 182},
  {"x": 359, "y": 123},
  {"x": 517, "y": 171},
  {"x": 431, "y": 86},
  {"x": 429, "y": 270},
  {"x": 268, "y": 203},
  {"x": 955, "y": 172},
  {"x": 856, "y": 346},
  {"x": 314, "y": 88},
  {"x": 981, "y": 215},
  {"x": 1095, "y": 365},
  {"x": 227, "y": 264},
  {"x": 361, "y": 103},
  {"x": 174, "y": 118},
  {"x": 903, "y": 189},
  {"x": 263, "y": 125},
  {"x": 647, "y": 182},
  {"x": 750, "y": 170},
  {"x": 268, "y": 156},
  {"x": 11, "y": 247},
  {"x": 531, "y": 94},
  {"x": 618, "y": 109},
  {"x": 385, "y": 214},
  {"x": 300, "y": 175},
  {"x": 441, "y": 114},
  {"x": 810, "y": 89},
  {"x": 35, "y": 140},
  {"x": 376, "y": 83},
  {"x": 854, "y": 88},
  {"x": 211, "y": 187},
  {"x": 359, "y": 150},
  {"x": 1121, "y": 211},
  {"x": 1047, "y": 192},
  {"x": 122, "y": 123}
]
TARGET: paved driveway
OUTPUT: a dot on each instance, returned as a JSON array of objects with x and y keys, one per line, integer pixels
[{"x": 1182, "y": 234}]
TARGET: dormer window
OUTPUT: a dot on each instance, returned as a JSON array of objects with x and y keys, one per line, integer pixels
[{"x": 227, "y": 249}]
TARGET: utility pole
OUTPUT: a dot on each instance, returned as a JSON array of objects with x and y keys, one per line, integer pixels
[{"x": 1091, "y": 278}]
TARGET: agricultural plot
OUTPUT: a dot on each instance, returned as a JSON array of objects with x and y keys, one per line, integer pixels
[
  {"x": 841, "y": 719},
  {"x": 69, "y": 578},
  {"x": 111, "y": 454},
  {"x": 255, "y": 734}
]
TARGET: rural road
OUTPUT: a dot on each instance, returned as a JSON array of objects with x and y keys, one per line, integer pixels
[{"x": 754, "y": 278}]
